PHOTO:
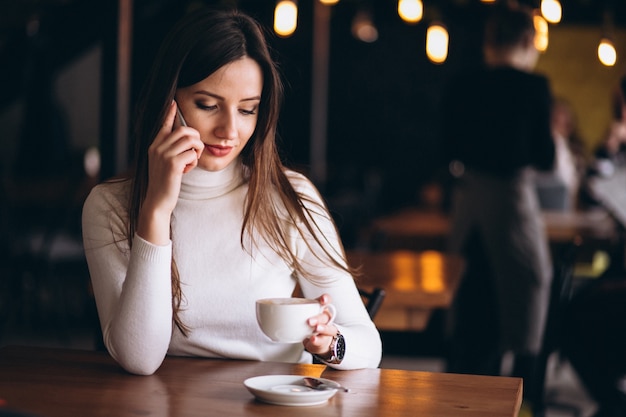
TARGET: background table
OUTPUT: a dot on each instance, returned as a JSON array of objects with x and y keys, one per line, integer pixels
[
  {"x": 61, "y": 382},
  {"x": 416, "y": 284},
  {"x": 422, "y": 229}
]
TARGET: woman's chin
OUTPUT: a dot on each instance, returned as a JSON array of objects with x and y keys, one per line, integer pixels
[{"x": 213, "y": 164}]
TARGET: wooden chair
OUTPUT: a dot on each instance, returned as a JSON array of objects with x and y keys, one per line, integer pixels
[{"x": 373, "y": 300}]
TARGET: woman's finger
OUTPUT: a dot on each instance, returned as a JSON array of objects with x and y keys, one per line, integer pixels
[
  {"x": 194, "y": 162},
  {"x": 170, "y": 116},
  {"x": 324, "y": 299},
  {"x": 320, "y": 341},
  {"x": 166, "y": 127}
]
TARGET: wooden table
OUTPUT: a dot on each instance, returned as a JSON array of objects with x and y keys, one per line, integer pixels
[
  {"x": 421, "y": 229},
  {"x": 414, "y": 229},
  {"x": 410, "y": 262},
  {"x": 596, "y": 226},
  {"x": 416, "y": 283},
  {"x": 61, "y": 383}
]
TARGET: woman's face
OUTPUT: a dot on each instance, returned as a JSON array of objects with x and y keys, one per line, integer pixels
[{"x": 223, "y": 108}]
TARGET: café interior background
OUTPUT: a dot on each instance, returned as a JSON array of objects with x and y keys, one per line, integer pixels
[{"x": 60, "y": 99}]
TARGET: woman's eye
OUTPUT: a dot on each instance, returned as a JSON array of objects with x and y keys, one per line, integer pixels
[
  {"x": 248, "y": 111},
  {"x": 206, "y": 106}
]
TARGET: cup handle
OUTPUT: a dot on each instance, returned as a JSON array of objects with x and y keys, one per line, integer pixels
[{"x": 332, "y": 310}]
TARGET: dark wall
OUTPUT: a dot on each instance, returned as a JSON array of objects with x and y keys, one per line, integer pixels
[{"x": 383, "y": 97}]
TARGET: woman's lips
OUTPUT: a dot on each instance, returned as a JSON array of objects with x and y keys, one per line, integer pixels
[{"x": 217, "y": 150}]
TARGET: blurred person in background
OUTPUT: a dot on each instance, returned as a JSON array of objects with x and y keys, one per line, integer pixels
[
  {"x": 615, "y": 137},
  {"x": 496, "y": 127},
  {"x": 559, "y": 189},
  {"x": 611, "y": 153}
]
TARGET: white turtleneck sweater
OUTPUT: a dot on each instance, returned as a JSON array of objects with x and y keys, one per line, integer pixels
[{"x": 220, "y": 280}]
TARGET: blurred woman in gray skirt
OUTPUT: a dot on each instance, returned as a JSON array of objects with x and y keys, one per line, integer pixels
[{"x": 497, "y": 132}]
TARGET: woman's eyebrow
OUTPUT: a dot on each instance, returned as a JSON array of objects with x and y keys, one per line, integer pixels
[{"x": 218, "y": 97}]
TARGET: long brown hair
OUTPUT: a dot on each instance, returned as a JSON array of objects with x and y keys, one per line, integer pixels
[{"x": 197, "y": 46}]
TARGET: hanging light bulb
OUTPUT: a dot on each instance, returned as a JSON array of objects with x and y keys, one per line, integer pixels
[
  {"x": 488, "y": 1},
  {"x": 607, "y": 53},
  {"x": 541, "y": 32},
  {"x": 437, "y": 43},
  {"x": 606, "y": 49},
  {"x": 363, "y": 28},
  {"x": 285, "y": 18},
  {"x": 411, "y": 11},
  {"x": 329, "y": 2},
  {"x": 551, "y": 10}
]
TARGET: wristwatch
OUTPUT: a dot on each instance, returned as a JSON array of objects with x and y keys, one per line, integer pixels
[{"x": 337, "y": 350}]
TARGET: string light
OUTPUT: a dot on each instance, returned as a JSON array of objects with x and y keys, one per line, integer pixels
[
  {"x": 285, "y": 18},
  {"x": 551, "y": 10},
  {"x": 411, "y": 11},
  {"x": 437, "y": 37},
  {"x": 541, "y": 32},
  {"x": 607, "y": 53},
  {"x": 363, "y": 28},
  {"x": 437, "y": 43}
]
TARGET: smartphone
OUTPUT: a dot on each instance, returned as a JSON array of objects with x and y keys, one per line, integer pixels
[
  {"x": 180, "y": 116},
  {"x": 184, "y": 123}
]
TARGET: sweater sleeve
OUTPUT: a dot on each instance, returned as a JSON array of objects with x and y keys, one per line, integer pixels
[
  {"x": 132, "y": 287},
  {"x": 363, "y": 342}
]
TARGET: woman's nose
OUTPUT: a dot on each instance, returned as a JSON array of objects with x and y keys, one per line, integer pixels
[{"x": 227, "y": 126}]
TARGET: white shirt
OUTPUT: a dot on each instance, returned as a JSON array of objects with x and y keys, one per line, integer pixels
[
  {"x": 565, "y": 165},
  {"x": 220, "y": 279}
]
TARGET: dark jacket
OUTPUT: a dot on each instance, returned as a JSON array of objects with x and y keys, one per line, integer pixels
[{"x": 497, "y": 121}]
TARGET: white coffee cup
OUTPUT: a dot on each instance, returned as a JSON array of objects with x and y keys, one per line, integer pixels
[{"x": 285, "y": 319}]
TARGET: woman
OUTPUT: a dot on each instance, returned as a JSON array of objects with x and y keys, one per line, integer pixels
[
  {"x": 559, "y": 189},
  {"x": 497, "y": 130},
  {"x": 210, "y": 220},
  {"x": 611, "y": 154}
]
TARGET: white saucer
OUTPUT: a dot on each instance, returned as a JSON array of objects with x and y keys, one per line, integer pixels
[{"x": 288, "y": 390}]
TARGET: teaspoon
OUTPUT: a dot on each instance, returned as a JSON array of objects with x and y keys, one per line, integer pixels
[{"x": 321, "y": 385}]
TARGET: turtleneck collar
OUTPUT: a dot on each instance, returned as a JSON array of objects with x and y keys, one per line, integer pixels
[{"x": 199, "y": 184}]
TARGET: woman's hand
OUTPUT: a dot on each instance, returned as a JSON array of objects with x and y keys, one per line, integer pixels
[
  {"x": 319, "y": 343},
  {"x": 174, "y": 151}
]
